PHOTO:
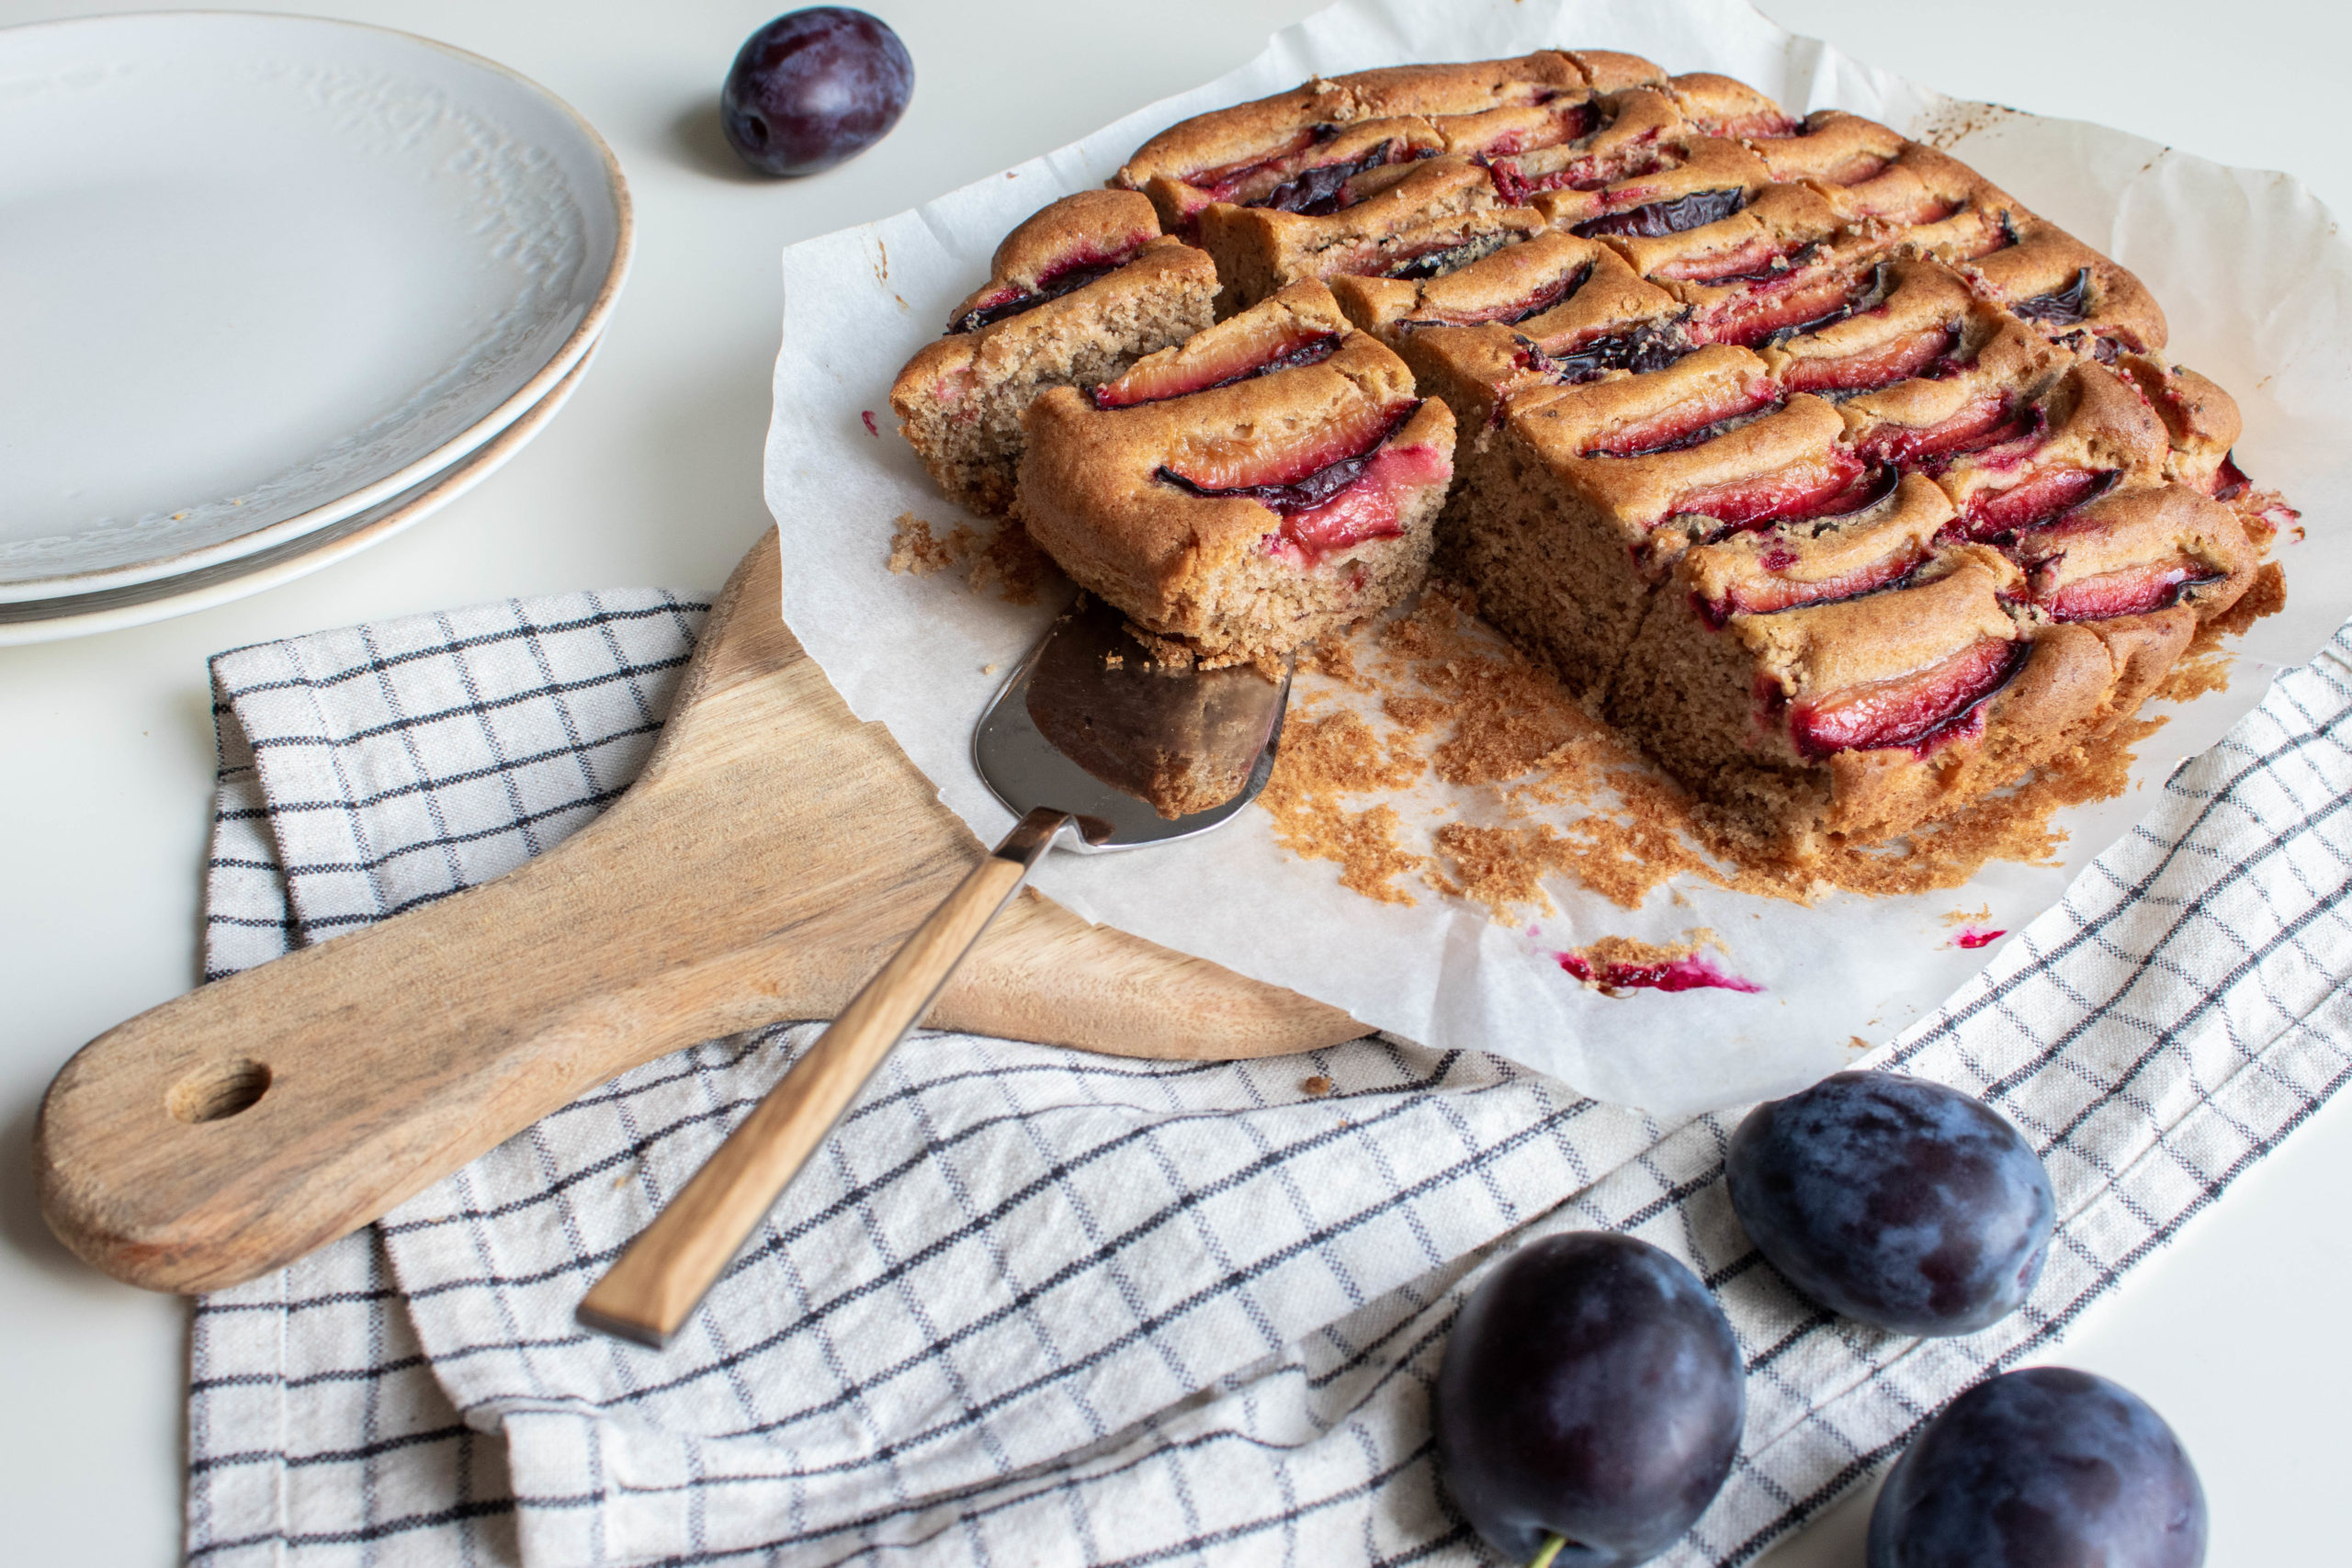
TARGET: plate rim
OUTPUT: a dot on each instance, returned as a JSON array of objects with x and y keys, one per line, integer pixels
[
  {"x": 427, "y": 465},
  {"x": 399, "y": 511}
]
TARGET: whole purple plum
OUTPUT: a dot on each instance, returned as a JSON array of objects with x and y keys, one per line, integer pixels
[
  {"x": 1894, "y": 1201},
  {"x": 2044, "y": 1468},
  {"x": 815, "y": 87},
  {"x": 1589, "y": 1403}
]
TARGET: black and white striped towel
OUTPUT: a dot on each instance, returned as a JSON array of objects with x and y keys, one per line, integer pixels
[{"x": 1032, "y": 1306}]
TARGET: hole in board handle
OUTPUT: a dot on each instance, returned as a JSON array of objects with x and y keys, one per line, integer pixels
[{"x": 218, "y": 1091}]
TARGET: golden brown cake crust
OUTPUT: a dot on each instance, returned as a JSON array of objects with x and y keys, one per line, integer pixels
[
  {"x": 1209, "y": 144},
  {"x": 1090, "y": 227},
  {"x": 1703, "y": 164},
  {"x": 1090, "y": 498},
  {"x": 1441, "y": 204},
  {"x": 1848, "y": 485},
  {"x": 1097, "y": 490},
  {"x": 959, "y": 399}
]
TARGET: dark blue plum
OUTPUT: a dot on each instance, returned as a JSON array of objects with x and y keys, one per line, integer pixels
[
  {"x": 2044, "y": 1468},
  {"x": 1591, "y": 1390},
  {"x": 814, "y": 88},
  {"x": 1894, "y": 1201}
]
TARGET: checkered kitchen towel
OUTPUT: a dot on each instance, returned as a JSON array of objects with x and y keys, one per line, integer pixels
[{"x": 1040, "y": 1307}]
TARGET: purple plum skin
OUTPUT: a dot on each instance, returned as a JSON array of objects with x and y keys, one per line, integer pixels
[
  {"x": 1591, "y": 1389},
  {"x": 813, "y": 88},
  {"x": 1897, "y": 1202},
  {"x": 2043, "y": 1468}
]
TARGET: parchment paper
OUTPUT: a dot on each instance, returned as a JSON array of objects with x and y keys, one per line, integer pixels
[{"x": 2251, "y": 272}]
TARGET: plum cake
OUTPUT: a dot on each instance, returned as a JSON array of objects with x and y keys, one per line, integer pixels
[
  {"x": 1077, "y": 294},
  {"x": 1272, "y": 481},
  {"x": 1843, "y": 484}
]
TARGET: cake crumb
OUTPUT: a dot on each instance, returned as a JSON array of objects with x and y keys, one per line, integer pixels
[
  {"x": 915, "y": 549},
  {"x": 1502, "y": 868},
  {"x": 1334, "y": 657},
  {"x": 1011, "y": 565},
  {"x": 1508, "y": 716},
  {"x": 1005, "y": 561},
  {"x": 1322, "y": 758},
  {"x": 988, "y": 668},
  {"x": 1318, "y": 1085},
  {"x": 1976, "y": 917}
]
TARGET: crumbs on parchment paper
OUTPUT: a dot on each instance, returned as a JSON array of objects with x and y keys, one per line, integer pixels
[
  {"x": 1323, "y": 758},
  {"x": 1334, "y": 657},
  {"x": 915, "y": 549},
  {"x": 1978, "y": 917},
  {"x": 1542, "y": 789},
  {"x": 1005, "y": 562}
]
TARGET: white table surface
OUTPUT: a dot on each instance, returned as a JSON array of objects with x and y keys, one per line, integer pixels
[{"x": 651, "y": 476}]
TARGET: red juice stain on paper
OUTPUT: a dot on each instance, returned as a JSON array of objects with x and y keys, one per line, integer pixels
[
  {"x": 1978, "y": 936},
  {"x": 1689, "y": 973},
  {"x": 871, "y": 428}
]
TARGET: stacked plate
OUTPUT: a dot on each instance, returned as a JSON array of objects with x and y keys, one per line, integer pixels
[{"x": 271, "y": 289}]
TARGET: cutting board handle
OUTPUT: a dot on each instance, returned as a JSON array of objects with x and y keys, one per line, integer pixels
[{"x": 767, "y": 860}]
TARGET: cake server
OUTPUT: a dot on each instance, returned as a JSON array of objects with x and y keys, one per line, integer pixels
[{"x": 1095, "y": 747}]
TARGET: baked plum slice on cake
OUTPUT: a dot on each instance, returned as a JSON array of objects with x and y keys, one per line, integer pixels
[
  {"x": 1330, "y": 132},
  {"x": 1878, "y": 544},
  {"x": 1553, "y": 311},
  {"x": 2089, "y": 433},
  {"x": 1831, "y": 147},
  {"x": 1511, "y": 131},
  {"x": 1681, "y": 186},
  {"x": 2135, "y": 551},
  {"x": 1919, "y": 319},
  {"x": 1319, "y": 172},
  {"x": 1859, "y": 718},
  {"x": 1077, "y": 293},
  {"x": 1299, "y": 326},
  {"x": 2201, "y": 421},
  {"x": 2070, "y": 293},
  {"x": 1566, "y": 516},
  {"x": 1237, "y": 502},
  {"x": 1442, "y": 214},
  {"x": 1981, "y": 394},
  {"x": 1784, "y": 263},
  {"x": 1781, "y": 718},
  {"x": 1723, "y": 106},
  {"x": 1629, "y": 133}
]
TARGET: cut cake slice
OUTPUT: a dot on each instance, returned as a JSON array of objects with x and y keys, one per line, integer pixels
[
  {"x": 1077, "y": 294},
  {"x": 1272, "y": 481}
]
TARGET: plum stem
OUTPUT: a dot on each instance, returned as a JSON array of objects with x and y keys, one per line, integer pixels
[{"x": 1548, "y": 1550}]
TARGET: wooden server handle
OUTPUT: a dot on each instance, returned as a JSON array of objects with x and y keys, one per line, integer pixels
[{"x": 655, "y": 1286}]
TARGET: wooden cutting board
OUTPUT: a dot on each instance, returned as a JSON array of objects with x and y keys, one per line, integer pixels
[{"x": 771, "y": 854}]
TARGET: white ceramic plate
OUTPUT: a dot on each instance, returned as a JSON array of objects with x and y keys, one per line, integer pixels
[
  {"x": 259, "y": 275},
  {"x": 135, "y": 604}
]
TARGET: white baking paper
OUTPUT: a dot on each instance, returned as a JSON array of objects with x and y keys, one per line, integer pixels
[{"x": 2249, "y": 268}]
